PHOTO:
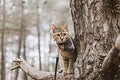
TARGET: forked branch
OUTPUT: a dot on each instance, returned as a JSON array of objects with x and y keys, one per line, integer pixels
[{"x": 33, "y": 73}]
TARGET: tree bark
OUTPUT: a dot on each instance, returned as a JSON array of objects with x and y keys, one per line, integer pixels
[
  {"x": 96, "y": 25},
  {"x": 3, "y": 54}
]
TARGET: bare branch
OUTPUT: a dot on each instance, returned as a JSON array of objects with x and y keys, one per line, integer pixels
[
  {"x": 33, "y": 73},
  {"x": 15, "y": 67}
]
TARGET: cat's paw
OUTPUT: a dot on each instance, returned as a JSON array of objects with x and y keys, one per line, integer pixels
[
  {"x": 70, "y": 72},
  {"x": 60, "y": 71},
  {"x": 64, "y": 74}
]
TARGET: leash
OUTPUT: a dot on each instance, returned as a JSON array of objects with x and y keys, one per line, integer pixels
[{"x": 57, "y": 58}]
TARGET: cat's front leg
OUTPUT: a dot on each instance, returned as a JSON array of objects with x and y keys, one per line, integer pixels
[
  {"x": 70, "y": 67},
  {"x": 65, "y": 67}
]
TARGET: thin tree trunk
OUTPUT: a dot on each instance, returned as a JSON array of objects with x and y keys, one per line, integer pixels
[
  {"x": 50, "y": 46},
  {"x": 20, "y": 36},
  {"x": 3, "y": 68},
  {"x": 24, "y": 52},
  {"x": 38, "y": 31}
]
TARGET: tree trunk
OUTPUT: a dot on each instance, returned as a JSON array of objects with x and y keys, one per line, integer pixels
[
  {"x": 38, "y": 31},
  {"x": 24, "y": 52},
  {"x": 96, "y": 25},
  {"x": 3, "y": 55},
  {"x": 50, "y": 45},
  {"x": 20, "y": 36}
]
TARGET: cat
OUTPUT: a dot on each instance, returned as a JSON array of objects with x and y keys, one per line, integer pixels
[{"x": 66, "y": 47}]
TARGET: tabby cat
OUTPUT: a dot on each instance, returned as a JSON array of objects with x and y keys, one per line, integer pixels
[{"x": 66, "y": 47}]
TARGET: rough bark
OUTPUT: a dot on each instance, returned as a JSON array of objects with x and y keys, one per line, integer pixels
[
  {"x": 111, "y": 59},
  {"x": 96, "y": 25}
]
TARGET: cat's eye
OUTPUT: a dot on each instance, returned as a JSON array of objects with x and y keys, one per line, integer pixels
[
  {"x": 58, "y": 34},
  {"x": 64, "y": 34}
]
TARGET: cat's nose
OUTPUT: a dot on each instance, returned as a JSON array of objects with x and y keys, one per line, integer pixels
[{"x": 62, "y": 39}]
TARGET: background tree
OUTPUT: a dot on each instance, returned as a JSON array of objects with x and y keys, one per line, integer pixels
[
  {"x": 20, "y": 35},
  {"x": 38, "y": 31},
  {"x": 3, "y": 55},
  {"x": 24, "y": 51}
]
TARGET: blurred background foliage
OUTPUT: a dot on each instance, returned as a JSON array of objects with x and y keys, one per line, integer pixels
[{"x": 26, "y": 18}]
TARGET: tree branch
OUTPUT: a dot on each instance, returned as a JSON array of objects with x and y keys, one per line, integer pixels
[
  {"x": 33, "y": 73},
  {"x": 36, "y": 74},
  {"x": 111, "y": 62}
]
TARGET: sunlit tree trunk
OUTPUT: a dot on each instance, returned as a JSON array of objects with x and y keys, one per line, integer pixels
[
  {"x": 3, "y": 54},
  {"x": 24, "y": 52},
  {"x": 38, "y": 31},
  {"x": 50, "y": 45},
  {"x": 96, "y": 25},
  {"x": 20, "y": 36}
]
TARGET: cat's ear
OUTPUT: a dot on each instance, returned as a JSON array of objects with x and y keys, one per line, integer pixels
[
  {"x": 54, "y": 28},
  {"x": 66, "y": 26}
]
